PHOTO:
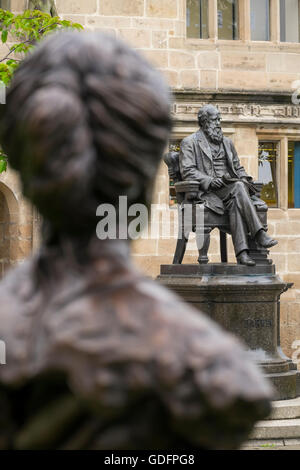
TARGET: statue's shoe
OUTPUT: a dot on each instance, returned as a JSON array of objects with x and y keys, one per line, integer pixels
[
  {"x": 244, "y": 258},
  {"x": 264, "y": 240}
]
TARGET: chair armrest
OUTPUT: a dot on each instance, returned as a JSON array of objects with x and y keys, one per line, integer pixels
[
  {"x": 258, "y": 186},
  {"x": 187, "y": 187}
]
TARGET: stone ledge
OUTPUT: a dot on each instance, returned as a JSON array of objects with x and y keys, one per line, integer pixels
[
  {"x": 225, "y": 269},
  {"x": 277, "y": 429},
  {"x": 272, "y": 444},
  {"x": 286, "y": 409}
]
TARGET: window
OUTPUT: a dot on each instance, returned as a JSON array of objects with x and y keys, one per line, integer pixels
[
  {"x": 289, "y": 20},
  {"x": 294, "y": 175},
  {"x": 267, "y": 172},
  {"x": 260, "y": 20},
  {"x": 228, "y": 14},
  {"x": 173, "y": 147},
  {"x": 197, "y": 19}
]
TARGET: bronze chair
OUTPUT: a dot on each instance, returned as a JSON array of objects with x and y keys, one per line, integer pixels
[{"x": 186, "y": 192}]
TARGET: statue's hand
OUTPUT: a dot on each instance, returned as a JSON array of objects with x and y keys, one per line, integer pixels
[{"x": 217, "y": 183}]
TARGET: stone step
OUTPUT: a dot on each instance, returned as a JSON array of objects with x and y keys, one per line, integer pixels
[
  {"x": 285, "y": 409},
  {"x": 277, "y": 429},
  {"x": 272, "y": 444}
]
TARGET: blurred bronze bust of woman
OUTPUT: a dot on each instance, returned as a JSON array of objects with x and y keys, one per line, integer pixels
[{"x": 99, "y": 356}]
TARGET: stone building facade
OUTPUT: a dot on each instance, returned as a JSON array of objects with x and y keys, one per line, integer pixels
[{"x": 243, "y": 56}]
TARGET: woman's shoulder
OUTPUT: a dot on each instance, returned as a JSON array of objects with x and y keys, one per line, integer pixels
[{"x": 16, "y": 319}]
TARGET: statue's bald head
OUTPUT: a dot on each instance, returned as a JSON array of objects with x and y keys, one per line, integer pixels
[
  {"x": 206, "y": 113},
  {"x": 209, "y": 119}
]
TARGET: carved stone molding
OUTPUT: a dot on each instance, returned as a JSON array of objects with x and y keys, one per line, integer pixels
[{"x": 236, "y": 109}]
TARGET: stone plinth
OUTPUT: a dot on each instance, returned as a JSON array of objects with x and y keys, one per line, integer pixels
[{"x": 245, "y": 301}]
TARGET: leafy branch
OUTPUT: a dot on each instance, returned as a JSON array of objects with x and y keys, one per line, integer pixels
[{"x": 21, "y": 33}]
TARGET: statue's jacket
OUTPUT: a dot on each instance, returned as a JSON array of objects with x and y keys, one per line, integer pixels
[{"x": 196, "y": 164}]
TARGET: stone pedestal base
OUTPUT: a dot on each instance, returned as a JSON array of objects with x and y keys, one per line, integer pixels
[{"x": 245, "y": 301}]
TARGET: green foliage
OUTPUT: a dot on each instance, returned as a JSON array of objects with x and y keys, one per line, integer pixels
[
  {"x": 3, "y": 162},
  {"x": 21, "y": 33}
]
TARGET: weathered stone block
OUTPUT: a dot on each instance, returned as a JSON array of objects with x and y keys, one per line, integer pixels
[
  {"x": 243, "y": 61},
  {"x": 161, "y": 8},
  {"x": 75, "y": 18},
  {"x": 208, "y": 79},
  {"x": 177, "y": 43},
  {"x": 180, "y": 28},
  {"x": 181, "y": 60},
  {"x": 137, "y": 38},
  {"x": 292, "y": 63},
  {"x": 275, "y": 62},
  {"x": 110, "y": 31},
  {"x": 282, "y": 247},
  {"x": 246, "y": 146},
  {"x": 25, "y": 231},
  {"x": 290, "y": 228},
  {"x": 158, "y": 58},
  {"x": 166, "y": 247},
  {"x": 159, "y": 39},
  {"x": 243, "y": 80},
  {"x": 172, "y": 77},
  {"x": 189, "y": 79},
  {"x": 281, "y": 81},
  {"x": 208, "y": 60},
  {"x": 292, "y": 277},
  {"x": 277, "y": 214},
  {"x": 76, "y": 6},
  {"x": 121, "y": 7},
  {"x": 293, "y": 214},
  {"x": 150, "y": 266},
  {"x": 155, "y": 24},
  {"x": 294, "y": 314},
  {"x": 17, "y": 5},
  {"x": 293, "y": 263},
  {"x": 293, "y": 245},
  {"x": 280, "y": 261},
  {"x": 142, "y": 247},
  {"x": 109, "y": 22}
]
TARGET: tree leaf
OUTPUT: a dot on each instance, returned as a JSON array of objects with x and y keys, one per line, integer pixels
[
  {"x": 26, "y": 29},
  {"x": 3, "y": 165},
  {"x": 4, "y": 35}
]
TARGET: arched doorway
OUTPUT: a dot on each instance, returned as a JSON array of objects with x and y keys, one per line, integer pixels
[{"x": 9, "y": 226}]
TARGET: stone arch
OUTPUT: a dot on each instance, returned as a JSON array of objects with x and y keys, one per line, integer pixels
[{"x": 9, "y": 223}]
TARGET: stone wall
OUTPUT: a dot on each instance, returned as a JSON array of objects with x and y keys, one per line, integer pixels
[
  {"x": 157, "y": 28},
  {"x": 18, "y": 223},
  {"x": 284, "y": 225}
]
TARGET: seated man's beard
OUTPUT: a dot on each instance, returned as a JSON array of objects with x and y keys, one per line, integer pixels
[{"x": 214, "y": 133}]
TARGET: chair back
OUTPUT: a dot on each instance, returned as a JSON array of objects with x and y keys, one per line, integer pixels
[{"x": 171, "y": 159}]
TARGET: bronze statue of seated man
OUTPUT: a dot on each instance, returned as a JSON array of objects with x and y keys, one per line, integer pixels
[{"x": 210, "y": 158}]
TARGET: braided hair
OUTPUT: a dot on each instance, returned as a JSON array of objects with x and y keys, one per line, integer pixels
[{"x": 86, "y": 121}]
